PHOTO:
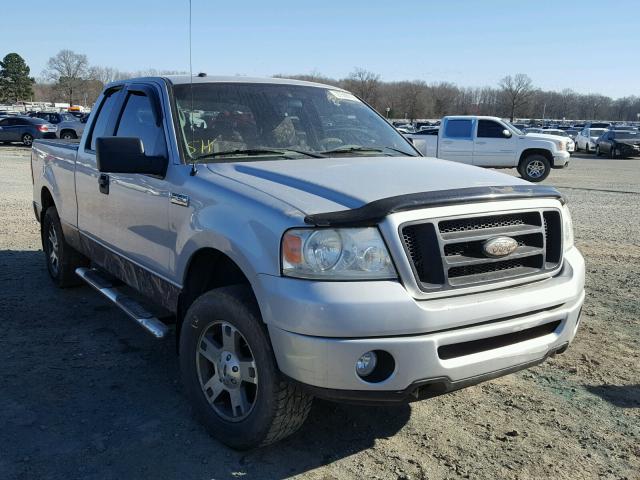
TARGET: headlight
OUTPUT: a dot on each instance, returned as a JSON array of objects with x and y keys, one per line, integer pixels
[
  {"x": 567, "y": 228},
  {"x": 336, "y": 254},
  {"x": 562, "y": 146}
]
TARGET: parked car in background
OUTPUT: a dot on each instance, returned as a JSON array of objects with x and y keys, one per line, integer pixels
[
  {"x": 69, "y": 126},
  {"x": 25, "y": 129},
  {"x": 597, "y": 125},
  {"x": 618, "y": 144},
  {"x": 492, "y": 142},
  {"x": 586, "y": 139},
  {"x": 561, "y": 133},
  {"x": 572, "y": 132},
  {"x": 625, "y": 128}
]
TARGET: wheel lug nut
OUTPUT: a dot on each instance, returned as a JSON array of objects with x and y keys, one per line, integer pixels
[
  {"x": 228, "y": 357},
  {"x": 235, "y": 369}
]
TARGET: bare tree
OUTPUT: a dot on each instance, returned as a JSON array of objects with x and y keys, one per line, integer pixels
[
  {"x": 67, "y": 69},
  {"x": 444, "y": 95},
  {"x": 364, "y": 84},
  {"x": 517, "y": 91}
]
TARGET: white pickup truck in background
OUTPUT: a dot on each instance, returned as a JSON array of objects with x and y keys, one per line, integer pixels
[{"x": 492, "y": 142}]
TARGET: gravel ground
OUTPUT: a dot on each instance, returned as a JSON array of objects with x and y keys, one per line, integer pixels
[{"x": 86, "y": 394}]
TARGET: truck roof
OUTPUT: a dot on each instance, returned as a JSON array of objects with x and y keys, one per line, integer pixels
[
  {"x": 479, "y": 117},
  {"x": 186, "y": 79}
]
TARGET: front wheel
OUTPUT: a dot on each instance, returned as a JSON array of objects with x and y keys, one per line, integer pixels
[
  {"x": 534, "y": 168},
  {"x": 27, "y": 139},
  {"x": 229, "y": 372}
]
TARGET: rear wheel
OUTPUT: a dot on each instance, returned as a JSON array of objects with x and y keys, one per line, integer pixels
[
  {"x": 62, "y": 259},
  {"x": 534, "y": 168},
  {"x": 68, "y": 135},
  {"x": 27, "y": 139},
  {"x": 230, "y": 373}
]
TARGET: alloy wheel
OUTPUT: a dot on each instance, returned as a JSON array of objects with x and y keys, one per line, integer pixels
[
  {"x": 535, "y": 169},
  {"x": 53, "y": 244},
  {"x": 227, "y": 371}
]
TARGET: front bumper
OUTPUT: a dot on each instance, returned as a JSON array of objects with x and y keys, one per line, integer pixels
[
  {"x": 319, "y": 335},
  {"x": 561, "y": 159}
]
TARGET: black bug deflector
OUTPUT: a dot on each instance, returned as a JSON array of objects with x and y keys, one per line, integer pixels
[{"x": 373, "y": 212}]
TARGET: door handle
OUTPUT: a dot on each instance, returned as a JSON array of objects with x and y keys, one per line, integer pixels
[
  {"x": 103, "y": 183},
  {"x": 481, "y": 143}
]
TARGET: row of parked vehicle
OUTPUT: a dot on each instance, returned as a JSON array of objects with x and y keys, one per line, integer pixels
[{"x": 26, "y": 128}]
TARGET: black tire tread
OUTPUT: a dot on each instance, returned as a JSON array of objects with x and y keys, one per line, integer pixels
[
  {"x": 69, "y": 258},
  {"x": 290, "y": 404},
  {"x": 293, "y": 406}
]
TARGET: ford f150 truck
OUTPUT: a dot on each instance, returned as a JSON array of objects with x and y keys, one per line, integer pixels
[
  {"x": 492, "y": 142},
  {"x": 302, "y": 247}
]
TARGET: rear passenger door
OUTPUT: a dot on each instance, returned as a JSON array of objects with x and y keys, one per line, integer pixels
[
  {"x": 456, "y": 140},
  {"x": 491, "y": 147}
]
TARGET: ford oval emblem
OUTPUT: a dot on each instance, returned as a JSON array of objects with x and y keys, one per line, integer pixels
[{"x": 497, "y": 247}]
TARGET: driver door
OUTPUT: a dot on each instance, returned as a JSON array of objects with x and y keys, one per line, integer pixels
[{"x": 492, "y": 148}]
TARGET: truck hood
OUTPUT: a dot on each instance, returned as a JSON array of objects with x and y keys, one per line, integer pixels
[
  {"x": 546, "y": 136},
  {"x": 330, "y": 184}
]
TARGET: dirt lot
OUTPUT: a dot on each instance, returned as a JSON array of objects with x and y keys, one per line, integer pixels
[{"x": 86, "y": 394}]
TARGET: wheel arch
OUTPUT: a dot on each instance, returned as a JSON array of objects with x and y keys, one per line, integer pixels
[
  {"x": 46, "y": 199},
  {"x": 208, "y": 268},
  {"x": 533, "y": 151}
]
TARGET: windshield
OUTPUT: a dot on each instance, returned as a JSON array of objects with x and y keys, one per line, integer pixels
[
  {"x": 627, "y": 135},
  {"x": 236, "y": 120},
  {"x": 517, "y": 131},
  {"x": 596, "y": 132}
]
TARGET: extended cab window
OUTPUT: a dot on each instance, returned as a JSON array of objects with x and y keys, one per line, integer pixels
[
  {"x": 458, "y": 129},
  {"x": 101, "y": 126},
  {"x": 137, "y": 121},
  {"x": 490, "y": 129}
]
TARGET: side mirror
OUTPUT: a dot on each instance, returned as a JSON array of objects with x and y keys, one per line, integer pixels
[
  {"x": 126, "y": 155},
  {"x": 506, "y": 133}
]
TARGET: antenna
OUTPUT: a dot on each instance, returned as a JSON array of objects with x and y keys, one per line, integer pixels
[{"x": 193, "y": 163}]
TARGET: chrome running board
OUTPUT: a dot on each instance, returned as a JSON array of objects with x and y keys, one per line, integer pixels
[{"x": 128, "y": 305}]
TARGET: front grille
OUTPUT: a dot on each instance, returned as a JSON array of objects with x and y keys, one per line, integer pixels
[{"x": 448, "y": 253}]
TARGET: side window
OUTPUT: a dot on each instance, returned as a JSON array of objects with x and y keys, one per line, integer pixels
[
  {"x": 458, "y": 129},
  {"x": 101, "y": 126},
  {"x": 490, "y": 129},
  {"x": 137, "y": 121},
  {"x": 4, "y": 122}
]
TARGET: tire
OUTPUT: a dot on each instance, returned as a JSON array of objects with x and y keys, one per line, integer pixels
[
  {"x": 597, "y": 150},
  {"x": 613, "y": 153},
  {"x": 68, "y": 135},
  {"x": 534, "y": 168},
  {"x": 268, "y": 408},
  {"x": 586, "y": 148},
  {"x": 62, "y": 260},
  {"x": 27, "y": 139}
]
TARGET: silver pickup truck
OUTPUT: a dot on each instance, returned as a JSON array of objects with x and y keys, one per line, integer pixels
[{"x": 302, "y": 248}]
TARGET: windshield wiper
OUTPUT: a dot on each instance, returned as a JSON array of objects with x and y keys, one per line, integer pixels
[
  {"x": 357, "y": 148},
  {"x": 253, "y": 152}
]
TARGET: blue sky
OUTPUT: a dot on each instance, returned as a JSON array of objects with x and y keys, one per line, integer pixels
[{"x": 589, "y": 46}]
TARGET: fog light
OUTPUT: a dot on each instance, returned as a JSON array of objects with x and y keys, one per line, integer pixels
[{"x": 366, "y": 364}]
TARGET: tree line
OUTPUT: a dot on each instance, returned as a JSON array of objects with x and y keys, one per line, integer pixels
[{"x": 70, "y": 78}]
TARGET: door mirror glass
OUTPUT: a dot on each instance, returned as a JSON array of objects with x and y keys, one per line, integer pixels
[
  {"x": 126, "y": 155},
  {"x": 506, "y": 133}
]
